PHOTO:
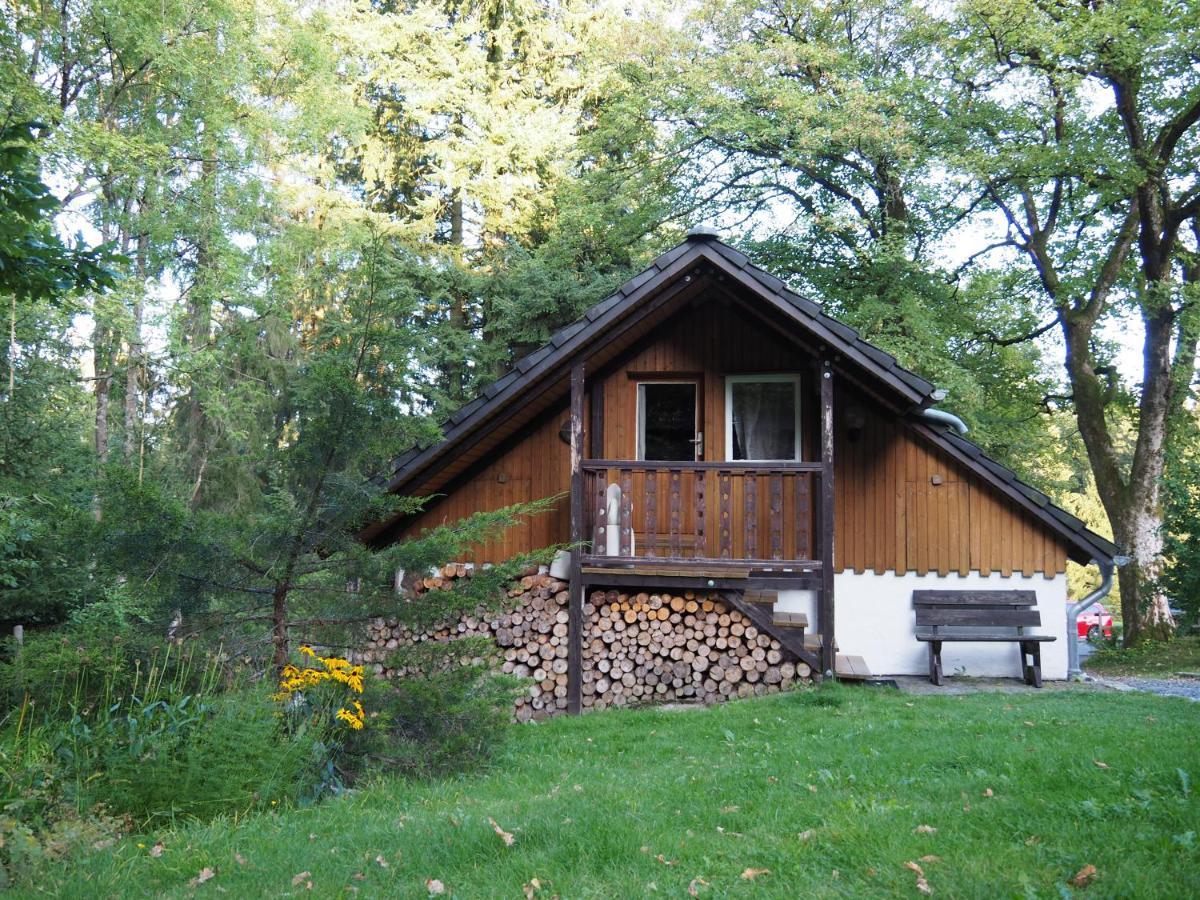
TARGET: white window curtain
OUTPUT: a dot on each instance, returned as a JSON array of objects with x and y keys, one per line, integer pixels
[{"x": 763, "y": 419}]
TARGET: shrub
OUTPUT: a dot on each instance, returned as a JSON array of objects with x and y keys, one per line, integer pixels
[
  {"x": 435, "y": 724},
  {"x": 193, "y": 757}
]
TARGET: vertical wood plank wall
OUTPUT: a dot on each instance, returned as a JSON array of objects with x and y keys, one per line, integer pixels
[
  {"x": 889, "y": 513},
  {"x": 712, "y": 339}
]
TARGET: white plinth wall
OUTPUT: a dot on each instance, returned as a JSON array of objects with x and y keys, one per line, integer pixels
[{"x": 875, "y": 620}]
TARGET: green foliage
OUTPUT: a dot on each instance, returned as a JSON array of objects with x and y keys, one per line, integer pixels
[
  {"x": 1181, "y": 489},
  {"x": 441, "y": 723},
  {"x": 194, "y": 756},
  {"x": 35, "y": 264}
]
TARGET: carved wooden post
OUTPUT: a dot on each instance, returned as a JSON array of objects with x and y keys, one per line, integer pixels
[
  {"x": 826, "y": 615},
  {"x": 575, "y": 606}
]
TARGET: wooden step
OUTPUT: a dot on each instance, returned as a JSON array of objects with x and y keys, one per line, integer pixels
[
  {"x": 769, "y": 598},
  {"x": 790, "y": 620},
  {"x": 851, "y": 668},
  {"x": 760, "y": 613}
]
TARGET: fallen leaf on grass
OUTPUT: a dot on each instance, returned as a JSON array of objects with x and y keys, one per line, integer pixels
[
  {"x": 666, "y": 862},
  {"x": 930, "y": 858},
  {"x": 1099, "y": 765},
  {"x": 988, "y": 793},
  {"x": 730, "y": 809},
  {"x": 157, "y": 850},
  {"x": 302, "y": 878},
  {"x": 694, "y": 886},
  {"x": 924, "y": 829},
  {"x": 806, "y": 835},
  {"x": 359, "y": 876},
  {"x": 1030, "y": 724},
  {"x": 383, "y": 863},
  {"x": 504, "y": 835},
  {"x": 1084, "y": 876},
  {"x": 206, "y": 874},
  {"x": 922, "y": 884},
  {"x": 239, "y": 859},
  {"x": 434, "y": 886},
  {"x": 531, "y": 888},
  {"x": 751, "y": 874},
  {"x": 812, "y": 788}
]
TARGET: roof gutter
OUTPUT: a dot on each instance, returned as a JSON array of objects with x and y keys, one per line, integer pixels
[
  {"x": 1075, "y": 609},
  {"x": 942, "y": 417}
]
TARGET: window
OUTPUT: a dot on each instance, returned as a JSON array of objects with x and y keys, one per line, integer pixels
[
  {"x": 762, "y": 417},
  {"x": 667, "y": 423}
]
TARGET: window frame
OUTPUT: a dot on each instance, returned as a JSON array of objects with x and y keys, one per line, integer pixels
[{"x": 794, "y": 378}]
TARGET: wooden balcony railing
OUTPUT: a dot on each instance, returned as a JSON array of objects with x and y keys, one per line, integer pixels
[{"x": 741, "y": 512}]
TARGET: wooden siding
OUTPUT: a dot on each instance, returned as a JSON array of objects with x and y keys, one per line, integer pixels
[
  {"x": 712, "y": 341},
  {"x": 889, "y": 514},
  {"x": 537, "y": 465},
  {"x": 903, "y": 505}
]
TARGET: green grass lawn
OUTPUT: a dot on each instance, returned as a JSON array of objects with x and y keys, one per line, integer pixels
[
  {"x": 829, "y": 790},
  {"x": 1152, "y": 660}
]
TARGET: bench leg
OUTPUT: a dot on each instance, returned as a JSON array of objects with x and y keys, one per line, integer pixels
[
  {"x": 935, "y": 662},
  {"x": 1031, "y": 663}
]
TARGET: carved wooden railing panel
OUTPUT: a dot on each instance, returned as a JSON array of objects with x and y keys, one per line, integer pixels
[{"x": 665, "y": 510}]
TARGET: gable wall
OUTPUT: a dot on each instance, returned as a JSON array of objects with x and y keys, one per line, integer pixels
[
  {"x": 712, "y": 339},
  {"x": 889, "y": 515}
]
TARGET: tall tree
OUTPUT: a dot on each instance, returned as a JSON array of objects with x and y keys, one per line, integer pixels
[
  {"x": 799, "y": 127},
  {"x": 476, "y": 113},
  {"x": 1081, "y": 125}
]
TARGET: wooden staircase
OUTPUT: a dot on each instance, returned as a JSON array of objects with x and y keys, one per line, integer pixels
[{"x": 789, "y": 629}]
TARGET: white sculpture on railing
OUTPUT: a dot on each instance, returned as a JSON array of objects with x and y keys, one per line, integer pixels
[{"x": 612, "y": 533}]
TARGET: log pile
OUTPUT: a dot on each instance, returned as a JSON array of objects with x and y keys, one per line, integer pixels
[
  {"x": 637, "y": 647},
  {"x": 660, "y": 647}
]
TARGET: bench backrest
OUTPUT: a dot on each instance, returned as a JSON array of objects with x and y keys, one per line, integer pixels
[{"x": 977, "y": 608}]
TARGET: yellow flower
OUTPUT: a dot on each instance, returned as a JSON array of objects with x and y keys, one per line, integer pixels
[{"x": 308, "y": 651}]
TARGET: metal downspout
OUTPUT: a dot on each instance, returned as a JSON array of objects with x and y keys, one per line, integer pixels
[{"x": 1074, "y": 609}]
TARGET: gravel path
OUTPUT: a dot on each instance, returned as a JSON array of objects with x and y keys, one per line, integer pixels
[{"x": 1164, "y": 687}]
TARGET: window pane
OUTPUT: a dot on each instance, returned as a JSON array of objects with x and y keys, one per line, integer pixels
[
  {"x": 764, "y": 419},
  {"x": 668, "y": 420}
]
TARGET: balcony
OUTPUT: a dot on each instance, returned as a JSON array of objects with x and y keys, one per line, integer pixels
[{"x": 739, "y": 517}]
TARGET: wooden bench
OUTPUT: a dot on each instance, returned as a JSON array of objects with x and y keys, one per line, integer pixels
[{"x": 958, "y": 616}]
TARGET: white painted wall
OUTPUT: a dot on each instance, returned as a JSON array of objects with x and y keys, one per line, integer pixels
[{"x": 875, "y": 620}]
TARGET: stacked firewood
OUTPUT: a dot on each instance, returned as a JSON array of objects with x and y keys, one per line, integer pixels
[
  {"x": 660, "y": 646},
  {"x": 637, "y": 647}
]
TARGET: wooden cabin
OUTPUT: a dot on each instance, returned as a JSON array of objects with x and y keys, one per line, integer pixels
[{"x": 708, "y": 428}]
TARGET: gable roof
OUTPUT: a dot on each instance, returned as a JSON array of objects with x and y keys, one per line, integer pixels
[{"x": 700, "y": 258}]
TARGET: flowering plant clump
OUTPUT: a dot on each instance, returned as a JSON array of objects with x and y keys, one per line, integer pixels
[{"x": 294, "y": 680}]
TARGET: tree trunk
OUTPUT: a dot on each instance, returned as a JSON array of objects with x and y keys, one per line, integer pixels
[
  {"x": 456, "y": 369},
  {"x": 199, "y": 326},
  {"x": 279, "y": 625},
  {"x": 135, "y": 350}
]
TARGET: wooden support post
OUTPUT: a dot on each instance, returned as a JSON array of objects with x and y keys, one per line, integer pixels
[
  {"x": 575, "y": 606},
  {"x": 596, "y": 430},
  {"x": 826, "y": 617}
]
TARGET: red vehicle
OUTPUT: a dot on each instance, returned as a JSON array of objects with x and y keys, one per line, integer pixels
[{"x": 1093, "y": 620}]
